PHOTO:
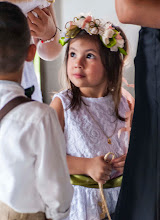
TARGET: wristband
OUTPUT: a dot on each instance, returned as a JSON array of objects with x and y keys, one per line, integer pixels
[{"x": 50, "y": 40}]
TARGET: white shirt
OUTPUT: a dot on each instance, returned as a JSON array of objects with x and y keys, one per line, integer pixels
[
  {"x": 33, "y": 170},
  {"x": 29, "y": 79}
]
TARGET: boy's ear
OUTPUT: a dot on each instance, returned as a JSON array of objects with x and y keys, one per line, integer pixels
[{"x": 31, "y": 52}]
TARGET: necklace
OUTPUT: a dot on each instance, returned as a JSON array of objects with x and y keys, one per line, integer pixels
[{"x": 108, "y": 137}]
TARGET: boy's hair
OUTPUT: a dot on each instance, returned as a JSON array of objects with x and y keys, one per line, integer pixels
[
  {"x": 113, "y": 64},
  {"x": 14, "y": 38}
]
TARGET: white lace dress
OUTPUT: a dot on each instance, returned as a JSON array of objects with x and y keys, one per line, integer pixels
[
  {"x": 84, "y": 138},
  {"x": 29, "y": 77}
]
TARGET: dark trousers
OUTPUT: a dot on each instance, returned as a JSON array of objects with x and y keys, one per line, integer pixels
[{"x": 139, "y": 197}]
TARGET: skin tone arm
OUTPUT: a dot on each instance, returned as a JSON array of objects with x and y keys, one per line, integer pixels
[
  {"x": 44, "y": 28},
  {"x": 140, "y": 12},
  {"x": 95, "y": 167}
]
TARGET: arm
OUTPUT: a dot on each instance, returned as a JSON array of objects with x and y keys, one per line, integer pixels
[
  {"x": 140, "y": 12},
  {"x": 56, "y": 104},
  {"x": 44, "y": 28},
  {"x": 95, "y": 167},
  {"x": 52, "y": 176}
]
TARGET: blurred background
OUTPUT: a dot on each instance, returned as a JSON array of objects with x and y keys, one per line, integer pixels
[{"x": 65, "y": 11}]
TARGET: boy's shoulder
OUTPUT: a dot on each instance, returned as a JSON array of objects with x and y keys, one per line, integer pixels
[{"x": 31, "y": 112}]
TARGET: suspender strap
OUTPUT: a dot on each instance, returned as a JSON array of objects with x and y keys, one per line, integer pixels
[{"x": 12, "y": 104}]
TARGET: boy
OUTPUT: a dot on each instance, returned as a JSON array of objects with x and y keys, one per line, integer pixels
[{"x": 34, "y": 177}]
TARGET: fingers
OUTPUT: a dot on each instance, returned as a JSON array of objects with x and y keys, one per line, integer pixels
[
  {"x": 41, "y": 23},
  {"x": 104, "y": 176},
  {"x": 104, "y": 179},
  {"x": 38, "y": 18},
  {"x": 119, "y": 159},
  {"x": 118, "y": 165},
  {"x": 47, "y": 11},
  {"x": 34, "y": 19},
  {"x": 41, "y": 13}
]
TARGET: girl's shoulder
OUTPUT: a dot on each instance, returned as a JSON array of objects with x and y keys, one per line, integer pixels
[
  {"x": 64, "y": 96},
  {"x": 27, "y": 6}
]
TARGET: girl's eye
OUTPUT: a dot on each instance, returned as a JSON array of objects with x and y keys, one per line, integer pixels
[
  {"x": 90, "y": 56},
  {"x": 72, "y": 54}
]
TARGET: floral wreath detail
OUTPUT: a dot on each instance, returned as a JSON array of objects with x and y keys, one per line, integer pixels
[{"x": 110, "y": 37}]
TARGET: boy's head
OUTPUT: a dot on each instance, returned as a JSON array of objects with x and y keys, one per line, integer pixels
[{"x": 14, "y": 38}]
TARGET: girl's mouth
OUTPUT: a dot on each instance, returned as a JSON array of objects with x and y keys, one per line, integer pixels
[{"x": 78, "y": 75}]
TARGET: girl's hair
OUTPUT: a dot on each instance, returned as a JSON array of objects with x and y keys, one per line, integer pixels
[{"x": 113, "y": 64}]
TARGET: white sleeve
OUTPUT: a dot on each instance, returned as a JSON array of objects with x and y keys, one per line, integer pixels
[{"x": 52, "y": 175}]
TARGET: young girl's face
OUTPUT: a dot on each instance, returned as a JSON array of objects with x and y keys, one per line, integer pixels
[{"x": 84, "y": 67}]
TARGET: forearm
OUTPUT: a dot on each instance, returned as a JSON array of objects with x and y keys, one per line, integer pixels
[
  {"x": 77, "y": 165},
  {"x": 49, "y": 51},
  {"x": 140, "y": 12}
]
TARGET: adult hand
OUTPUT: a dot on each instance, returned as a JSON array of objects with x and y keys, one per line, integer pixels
[
  {"x": 118, "y": 163},
  {"x": 41, "y": 24},
  {"x": 99, "y": 169}
]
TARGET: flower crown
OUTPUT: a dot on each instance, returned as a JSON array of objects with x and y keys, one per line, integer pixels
[{"x": 110, "y": 37}]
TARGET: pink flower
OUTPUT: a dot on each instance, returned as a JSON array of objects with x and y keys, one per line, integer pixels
[
  {"x": 118, "y": 36},
  {"x": 110, "y": 27},
  {"x": 86, "y": 20}
]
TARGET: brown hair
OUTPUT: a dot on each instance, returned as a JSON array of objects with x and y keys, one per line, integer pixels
[
  {"x": 14, "y": 38},
  {"x": 113, "y": 64}
]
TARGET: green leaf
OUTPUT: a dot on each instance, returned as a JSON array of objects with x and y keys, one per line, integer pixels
[
  {"x": 61, "y": 41},
  {"x": 112, "y": 42},
  {"x": 121, "y": 50}
]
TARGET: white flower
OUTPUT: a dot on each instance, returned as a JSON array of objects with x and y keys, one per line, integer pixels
[
  {"x": 105, "y": 40},
  {"x": 87, "y": 27},
  {"x": 114, "y": 48},
  {"x": 106, "y": 35},
  {"x": 109, "y": 33},
  {"x": 120, "y": 43},
  {"x": 94, "y": 30},
  {"x": 79, "y": 22}
]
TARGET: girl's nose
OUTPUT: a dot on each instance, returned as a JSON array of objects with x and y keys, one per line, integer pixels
[{"x": 79, "y": 63}]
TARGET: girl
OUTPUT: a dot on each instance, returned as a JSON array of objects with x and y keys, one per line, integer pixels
[
  {"x": 42, "y": 23},
  {"x": 141, "y": 183},
  {"x": 92, "y": 111}
]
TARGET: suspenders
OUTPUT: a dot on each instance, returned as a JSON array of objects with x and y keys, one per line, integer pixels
[{"x": 12, "y": 104}]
